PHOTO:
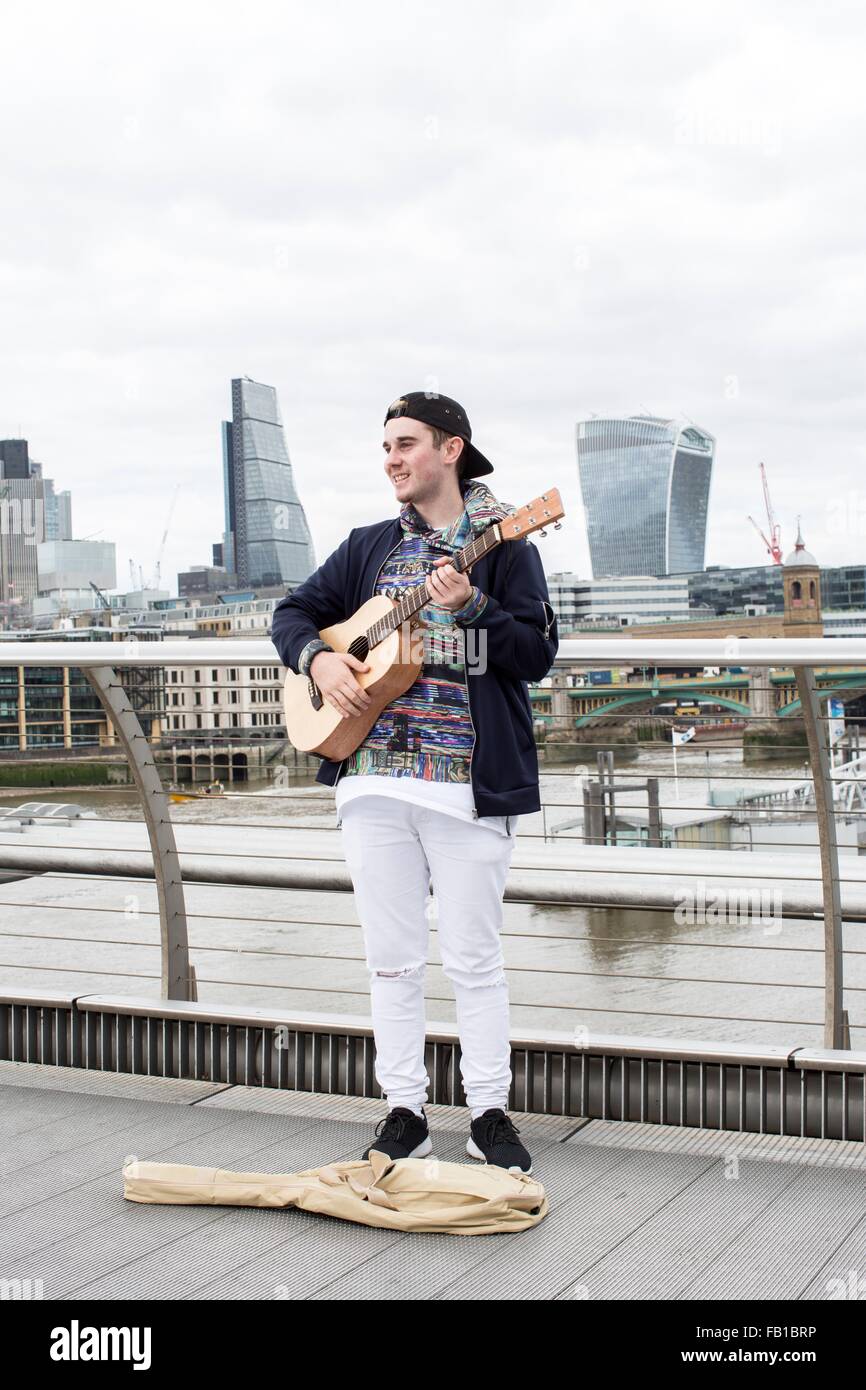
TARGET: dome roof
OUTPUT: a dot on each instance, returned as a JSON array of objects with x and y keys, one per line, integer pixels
[{"x": 800, "y": 555}]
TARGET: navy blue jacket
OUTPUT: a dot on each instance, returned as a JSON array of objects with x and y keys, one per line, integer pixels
[{"x": 520, "y": 645}]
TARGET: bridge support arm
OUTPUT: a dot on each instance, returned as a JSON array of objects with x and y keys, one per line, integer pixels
[
  {"x": 177, "y": 981},
  {"x": 835, "y": 1031}
]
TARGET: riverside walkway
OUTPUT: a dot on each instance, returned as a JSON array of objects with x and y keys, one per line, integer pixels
[{"x": 637, "y": 1212}]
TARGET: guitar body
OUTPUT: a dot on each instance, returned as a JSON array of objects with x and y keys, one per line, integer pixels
[{"x": 395, "y": 664}]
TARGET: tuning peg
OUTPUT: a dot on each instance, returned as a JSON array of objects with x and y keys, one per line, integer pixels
[
  {"x": 557, "y": 525},
  {"x": 542, "y": 533}
]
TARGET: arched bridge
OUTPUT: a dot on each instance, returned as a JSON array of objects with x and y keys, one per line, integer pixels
[{"x": 761, "y": 693}]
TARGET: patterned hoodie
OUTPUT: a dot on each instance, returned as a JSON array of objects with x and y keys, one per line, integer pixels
[{"x": 427, "y": 731}]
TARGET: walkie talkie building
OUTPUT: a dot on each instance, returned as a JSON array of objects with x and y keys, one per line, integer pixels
[
  {"x": 645, "y": 483},
  {"x": 267, "y": 540}
]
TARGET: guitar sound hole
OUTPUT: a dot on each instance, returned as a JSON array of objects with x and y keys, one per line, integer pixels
[{"x": 359, "y": 648}]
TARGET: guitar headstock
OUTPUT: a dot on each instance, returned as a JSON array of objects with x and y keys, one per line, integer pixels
[{"x": 542, "y": 511}]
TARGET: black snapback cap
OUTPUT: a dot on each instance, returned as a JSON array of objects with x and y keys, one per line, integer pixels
[{"x": 446, "y": 414}]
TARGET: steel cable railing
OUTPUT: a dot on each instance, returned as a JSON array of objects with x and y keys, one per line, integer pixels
[{"x": 173, "y": 922}]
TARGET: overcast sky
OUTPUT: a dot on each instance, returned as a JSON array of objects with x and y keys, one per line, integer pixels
[{"x": 543, "y": 211}]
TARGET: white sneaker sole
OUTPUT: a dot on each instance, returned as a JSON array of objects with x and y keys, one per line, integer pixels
[
  {"x": 424, "y": 1148},
  {"x": 474, "y": 1152}
]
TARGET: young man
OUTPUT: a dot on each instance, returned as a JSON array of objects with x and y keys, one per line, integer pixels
[{"x": 434, "y": 790}]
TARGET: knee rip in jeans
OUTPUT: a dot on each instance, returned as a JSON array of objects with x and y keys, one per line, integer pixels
[
  {"x": 479, "y": 979},
  {"x": 396, "y": 974}
]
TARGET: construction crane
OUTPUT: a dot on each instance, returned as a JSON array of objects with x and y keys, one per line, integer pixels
[
  {"x": 100, "y": 595},
  {"x": 774, "y": 544},
  {"x": 156, "y": 582}
]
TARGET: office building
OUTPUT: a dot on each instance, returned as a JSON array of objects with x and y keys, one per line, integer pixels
[
  {"x": 46, "y": 707},
  {"x": 645, "y": 483},
  {"x": 76, "y": 565},
  {"x": 747, "y": 589},
  {"x": 617, "y": 601},
  {"x": 22, "y": 523},
  {"x": 267, "y": 541}
]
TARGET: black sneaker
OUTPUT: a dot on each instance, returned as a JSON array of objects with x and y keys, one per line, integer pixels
[
  {"x": 494, "y": 1138},
  {"x": 404, "y": 1135}
]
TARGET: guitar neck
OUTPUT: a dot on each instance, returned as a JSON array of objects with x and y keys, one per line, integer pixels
[
  {"x": 414, "y": 599},
  {"x": 533, "y": 517}
]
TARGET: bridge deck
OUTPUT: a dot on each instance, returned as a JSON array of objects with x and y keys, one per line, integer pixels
[{"x": 637, "y": 1212}]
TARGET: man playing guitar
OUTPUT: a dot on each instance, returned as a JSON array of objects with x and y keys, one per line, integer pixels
[{"x": 433, "y": 791}]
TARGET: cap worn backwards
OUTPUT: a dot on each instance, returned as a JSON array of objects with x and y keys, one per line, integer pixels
[{"x": 445, "y": 414}]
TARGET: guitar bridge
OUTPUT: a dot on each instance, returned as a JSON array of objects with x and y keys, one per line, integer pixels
[{"x": 314, "y": 693}]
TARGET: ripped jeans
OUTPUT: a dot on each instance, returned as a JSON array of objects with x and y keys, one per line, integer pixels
[{"x": 393, "y": 849}]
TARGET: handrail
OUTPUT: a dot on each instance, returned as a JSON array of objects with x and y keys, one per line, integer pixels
[{"x": 589, "y": 651}]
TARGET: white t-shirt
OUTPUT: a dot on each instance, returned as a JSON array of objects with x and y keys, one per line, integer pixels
[{"x": 454, "y": 798}]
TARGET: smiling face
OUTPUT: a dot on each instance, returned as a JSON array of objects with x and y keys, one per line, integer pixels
[{"x": 419, "y": 471}]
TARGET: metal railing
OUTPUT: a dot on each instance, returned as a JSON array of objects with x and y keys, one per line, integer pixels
[
  {"x": 801, "y": 1092},
  {"x": 549, "y": 881}
]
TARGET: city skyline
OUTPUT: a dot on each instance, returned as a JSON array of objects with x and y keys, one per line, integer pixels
[
  {"x": 255, "y": 213},
  {"x": 302, "y": 532}
]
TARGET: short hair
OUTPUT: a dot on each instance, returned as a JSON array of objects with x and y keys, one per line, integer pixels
[{"x": 439, "y": 438}]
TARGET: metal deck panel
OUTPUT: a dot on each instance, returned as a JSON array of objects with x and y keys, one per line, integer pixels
[
  {"x": 668, "y": 1250},
  {"x": 783, "y": 1148},
  {"x": 793, "y": 1243},
  {"x": 39, "y": 1225},
  {"x": 45, "y": 1077},
  {"x": 637, "y": 1211}
]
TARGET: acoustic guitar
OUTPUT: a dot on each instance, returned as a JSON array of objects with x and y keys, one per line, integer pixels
[{"x": 384, "y": 632}]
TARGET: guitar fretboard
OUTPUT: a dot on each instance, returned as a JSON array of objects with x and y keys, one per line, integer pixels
[{"x": 414, "y": 599}]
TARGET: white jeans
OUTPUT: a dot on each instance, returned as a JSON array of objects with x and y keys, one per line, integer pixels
[{"x": 393, "y": 849}]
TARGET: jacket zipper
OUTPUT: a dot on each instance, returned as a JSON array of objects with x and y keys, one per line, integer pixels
[
  {"x": 369, "y": 596},
  {"x": 474, "y": 732}
]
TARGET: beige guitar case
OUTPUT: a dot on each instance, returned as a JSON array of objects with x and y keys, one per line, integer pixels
[{"x": 404, "y": 1194}]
